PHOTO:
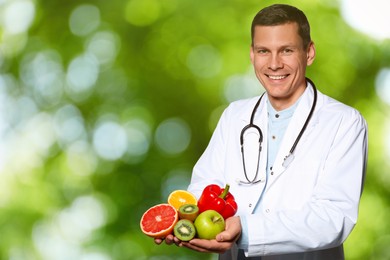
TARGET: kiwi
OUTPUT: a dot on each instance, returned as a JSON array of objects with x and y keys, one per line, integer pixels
[
  {"x": 188, "y": 211},
  {"x": 184, "y": 230}
]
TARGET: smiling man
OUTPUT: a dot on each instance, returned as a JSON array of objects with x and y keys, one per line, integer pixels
[
  {"x": 280, "y": 57},
  {"x": 298, "y": 182}
]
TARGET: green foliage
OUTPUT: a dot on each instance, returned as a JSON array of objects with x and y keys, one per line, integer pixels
[{"x": 90, "y": 92}]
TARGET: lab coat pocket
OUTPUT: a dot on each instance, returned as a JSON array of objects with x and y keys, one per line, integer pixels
[{"x": 295, "y": 186}]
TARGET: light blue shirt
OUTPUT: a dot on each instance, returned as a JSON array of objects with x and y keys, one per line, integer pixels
[{"x": 277, "y": 124}]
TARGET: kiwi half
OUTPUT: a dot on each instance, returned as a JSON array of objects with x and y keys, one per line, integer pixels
[
  {"x": 188, "y": 211},
  {"x": 184, "y": 230}
]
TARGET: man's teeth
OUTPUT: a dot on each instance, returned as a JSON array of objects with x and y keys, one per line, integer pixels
[{"x": 276, "y": 77}]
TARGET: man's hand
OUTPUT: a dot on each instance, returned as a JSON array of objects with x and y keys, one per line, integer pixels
[
  {"x": 223, "y": 242},
  {"x": 169, "y": 240}
]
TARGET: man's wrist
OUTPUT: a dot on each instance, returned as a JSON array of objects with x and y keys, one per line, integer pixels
[{"x": 242, "y": 241}]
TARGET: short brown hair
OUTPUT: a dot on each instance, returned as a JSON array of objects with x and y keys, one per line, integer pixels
[{"x": 279, "y": 14}]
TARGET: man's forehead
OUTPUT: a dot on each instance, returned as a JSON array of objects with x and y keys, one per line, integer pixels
[{"x": 283, "y": 35}]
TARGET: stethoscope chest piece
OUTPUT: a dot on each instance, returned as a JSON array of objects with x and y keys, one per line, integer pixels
[{"x": 287, "y": 160}]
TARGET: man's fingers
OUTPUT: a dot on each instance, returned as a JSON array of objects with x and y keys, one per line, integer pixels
[
  {"x": 209, "y": 246},
  {"x": 223, "y": 236},
  {"x": 158, "y": 241}
]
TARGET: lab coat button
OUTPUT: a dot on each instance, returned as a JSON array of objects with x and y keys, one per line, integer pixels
[
  {"x": 272, "y": 173},
  {"x": 267, "y": 210},
  {"x": 250, "y": 205}
]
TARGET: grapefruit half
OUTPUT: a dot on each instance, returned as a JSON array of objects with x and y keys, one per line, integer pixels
[{"x": 159, "y": 220}]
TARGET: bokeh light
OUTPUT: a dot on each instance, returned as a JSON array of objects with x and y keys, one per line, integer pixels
[
  {"x": 104, "y": 45},
  {"x": 110, "y": 140},
  {"x": 81, "y": 159},
  {"x": 61, "y": 236},
  {"x": 241, "y": 87},
  {"x": 173, "y": 136},
  {"x": 84, "y": 19},
  {"x": 69, "y": 125},
  {"x": 18, "y": 16},
  {"x": 370, "y": 17},
  {"x": 204, "y": 61},
  {"x": 81, "y": 76},
  {"x": 42, "y": 72},
  {"x": 387, "y": 142},
  {"x": 139, "y": 139},
  {"x": 382, "y": 85},
  {"x": 142, "y": 12}
]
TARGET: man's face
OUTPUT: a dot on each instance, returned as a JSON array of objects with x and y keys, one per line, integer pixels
[{"x": 280, "y": 59}]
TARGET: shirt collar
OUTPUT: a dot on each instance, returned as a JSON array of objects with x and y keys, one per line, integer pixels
[{"x": 283, "y": 114}]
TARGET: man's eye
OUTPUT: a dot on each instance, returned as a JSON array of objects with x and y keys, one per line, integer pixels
[
  {"x": 287, "y": 50},
  {"x": 261, "y": 51}
]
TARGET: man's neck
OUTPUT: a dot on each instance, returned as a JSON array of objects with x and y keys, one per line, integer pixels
[{"x": 280, "y": 104}]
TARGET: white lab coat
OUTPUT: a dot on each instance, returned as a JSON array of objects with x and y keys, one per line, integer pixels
[{"x": 309, "y": 208}]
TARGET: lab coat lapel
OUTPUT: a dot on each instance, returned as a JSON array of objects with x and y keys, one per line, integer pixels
[{"x": 292, "y": 132}]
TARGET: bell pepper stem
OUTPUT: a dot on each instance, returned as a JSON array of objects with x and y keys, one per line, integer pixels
[{"x": 225, "y": 192}]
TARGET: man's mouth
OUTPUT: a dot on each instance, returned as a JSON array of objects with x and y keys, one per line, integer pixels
[{"x": 277, "y": 77}]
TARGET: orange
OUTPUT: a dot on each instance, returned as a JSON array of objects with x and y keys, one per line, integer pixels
[
  {"x": 178, "y": 198},
  {"x": 159, "y": 220}
]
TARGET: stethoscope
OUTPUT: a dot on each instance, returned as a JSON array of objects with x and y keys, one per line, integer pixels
[{"x": 290, "y": 157}]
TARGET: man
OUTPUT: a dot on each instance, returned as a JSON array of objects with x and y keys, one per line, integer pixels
[{"x": 298, "y": 195}]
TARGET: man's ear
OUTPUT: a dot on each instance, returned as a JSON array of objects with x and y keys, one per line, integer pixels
[
  {"x": 252, "y": 54},
  {"x": 311, "y": 53}
]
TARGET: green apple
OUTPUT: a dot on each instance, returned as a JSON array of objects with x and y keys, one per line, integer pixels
[{"x": 209, "y": 224}]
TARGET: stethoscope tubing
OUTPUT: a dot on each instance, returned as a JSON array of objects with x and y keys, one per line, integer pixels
[{"x": 258, "y": 129}]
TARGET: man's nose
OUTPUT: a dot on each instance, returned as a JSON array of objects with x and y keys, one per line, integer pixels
[{"x": 275, "y": 62}]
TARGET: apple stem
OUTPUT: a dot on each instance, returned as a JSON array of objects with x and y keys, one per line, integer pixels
[
  {"x": 216, "y": 219},
  {"x": 225, "y": 192}
]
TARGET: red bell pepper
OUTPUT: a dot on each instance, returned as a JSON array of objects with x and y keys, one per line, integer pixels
[{"x": 218, "y": 199}]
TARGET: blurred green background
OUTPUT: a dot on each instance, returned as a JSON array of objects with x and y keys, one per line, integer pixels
[{"x": 105, "y": 106}]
